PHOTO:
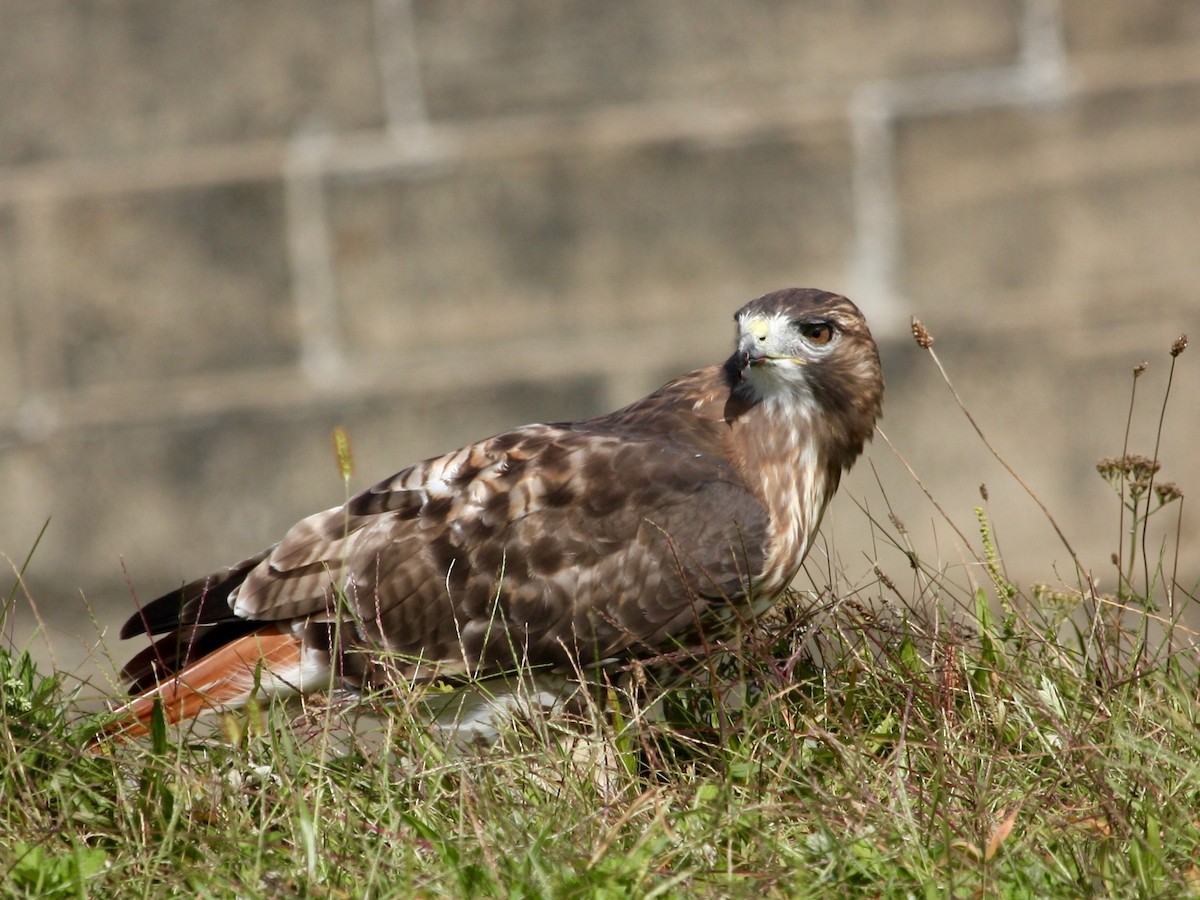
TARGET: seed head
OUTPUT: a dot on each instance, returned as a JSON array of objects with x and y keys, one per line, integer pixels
[
  {"x": 1180, "y": 345},
  {"x": 921, "y": 334},
  {"x": 342, "y": 452},
  {"x": 887, "y": 582},
  {"x": 983, "y": 492},
  {"x": 1140, "y": 368}
]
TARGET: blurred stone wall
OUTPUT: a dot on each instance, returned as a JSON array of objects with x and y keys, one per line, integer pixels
[{"x": 227, "y": 227}]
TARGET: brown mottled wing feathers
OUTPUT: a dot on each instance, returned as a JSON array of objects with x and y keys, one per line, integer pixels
[{"x": 557, "y": 544}]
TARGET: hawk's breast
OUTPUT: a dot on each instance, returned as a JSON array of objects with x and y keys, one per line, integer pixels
[{"x": 793, "y": 485}]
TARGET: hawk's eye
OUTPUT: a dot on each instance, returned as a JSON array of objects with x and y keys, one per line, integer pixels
[{"x": 817, "y": 332}]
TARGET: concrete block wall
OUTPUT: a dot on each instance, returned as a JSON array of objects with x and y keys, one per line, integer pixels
[{"x": 226, "y": 229}]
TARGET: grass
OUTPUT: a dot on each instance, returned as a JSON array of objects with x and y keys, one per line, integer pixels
[{"x": 903, "y": 734}]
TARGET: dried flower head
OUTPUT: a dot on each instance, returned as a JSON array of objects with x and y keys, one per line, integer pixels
[
  {"x": 1180, "y": 345},
  {"x": 1167, "y": 491},
  {"x": 1140, "y": 368},
  {"x": 1132, "y": 467},
  {"x": 921, "y": 334},
  {"x": 983, "y": 492}
]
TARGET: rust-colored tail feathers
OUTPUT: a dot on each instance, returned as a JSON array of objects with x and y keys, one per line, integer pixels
[{"x": 267, "y": 661}]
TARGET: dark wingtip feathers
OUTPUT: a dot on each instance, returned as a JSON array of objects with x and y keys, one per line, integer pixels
[{"x": 204, "y": 601}]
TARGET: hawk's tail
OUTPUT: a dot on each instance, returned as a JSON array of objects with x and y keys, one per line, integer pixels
[{"x": 264, "y": 663}]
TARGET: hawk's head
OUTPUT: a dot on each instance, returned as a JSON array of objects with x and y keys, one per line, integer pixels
[{"x": 812, "y": 348}]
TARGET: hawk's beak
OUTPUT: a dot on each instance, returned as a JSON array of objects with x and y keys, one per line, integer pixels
[
  {"x": 749, "y": 352},
  {"x": 752, "y": 350}
]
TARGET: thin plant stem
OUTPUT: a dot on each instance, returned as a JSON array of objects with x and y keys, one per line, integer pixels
[
  {"x": 1121, "y": 575},
  {"x": 1011, "y": 471},
  {"x": 1170, "y": 584},
  {"x": 1162, "y": 414}
]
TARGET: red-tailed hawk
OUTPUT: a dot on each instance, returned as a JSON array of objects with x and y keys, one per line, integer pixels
[{"x": 558, "y": 547}]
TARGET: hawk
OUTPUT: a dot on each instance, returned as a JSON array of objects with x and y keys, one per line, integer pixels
[{"x": 560, "y": 547}]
